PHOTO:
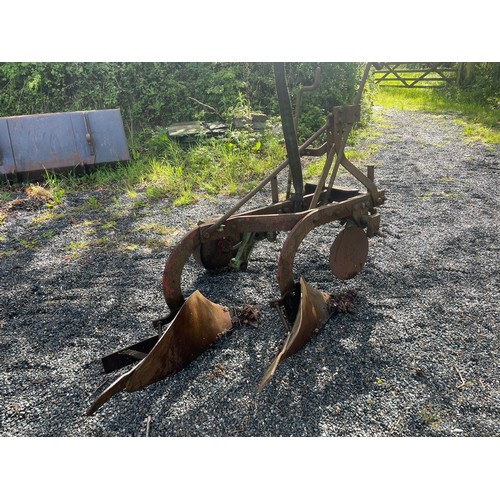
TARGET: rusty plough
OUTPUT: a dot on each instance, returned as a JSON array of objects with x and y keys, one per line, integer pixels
[{"x": 195, "y": 323}]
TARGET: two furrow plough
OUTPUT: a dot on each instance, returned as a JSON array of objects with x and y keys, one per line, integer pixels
[{"x": 195, "y": 322}]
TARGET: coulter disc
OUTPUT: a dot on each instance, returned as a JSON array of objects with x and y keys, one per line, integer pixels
[
  {"x": 348, "y": 253},
  {"x": 216, "y": 254}
]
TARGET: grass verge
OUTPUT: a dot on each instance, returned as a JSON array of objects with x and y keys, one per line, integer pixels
[
  {"x": 209, "y": 167},
  {"x": 480, "y": 123}
]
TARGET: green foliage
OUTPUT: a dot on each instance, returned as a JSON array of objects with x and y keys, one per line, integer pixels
[
  {"x": 93, "y": 203},
  {"x": 156, "y": 94},
  {"x": 151, "y": 96},
  {"x": 478, "y": 83},
  {"x": 339, "y": 83},
  {"x": 475, "y": 99},
  {"x": 6, "y": 196}
]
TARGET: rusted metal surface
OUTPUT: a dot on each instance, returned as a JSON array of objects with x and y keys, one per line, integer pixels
[
  {"x": 129, "y": 355},
  {"x": 348, "y": 253},
  {"x": 289, "y": 132},
  {"x": 313, "y": 313},
  {"x": 197, "y": 325},
  {"x": 217, "y": 254},
  {"x": 324, "y": 174},
  {"x": 226, "y": 241},
  {"x": 33, "y": 144},
  {"x": 305, "y": 88},
  {"x": 215, "y": 226},
  {"x": 315, "y": 218},
  {"x": 261, "y": 223},
  {"x": 173, "y": 269}
]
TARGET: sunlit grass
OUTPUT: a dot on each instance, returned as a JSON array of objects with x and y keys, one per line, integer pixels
[
  {"x": 182, "y": 174},
  {"x": 480, "y": 123},
  {"x": 157, "y": 228},
  {"x": 476, "y": 132},
  {"x": 48, "y": 216},
  {"x": 410, "y": 99},
  {"x": 76, "y": 248},
  {"x": 212, "y": 167}
]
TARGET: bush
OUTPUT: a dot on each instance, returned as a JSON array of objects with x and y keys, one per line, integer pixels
[
  {"x": 478, "y": 83},
  {"x": 156, "y": 94}
]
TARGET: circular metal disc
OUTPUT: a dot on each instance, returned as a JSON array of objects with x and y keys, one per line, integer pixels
[
  {"x": 349, "y": 253},
  {"x": 215, "y": 254}
]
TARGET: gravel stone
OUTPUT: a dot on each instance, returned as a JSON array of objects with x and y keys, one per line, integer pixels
[{"x": 418, "y": 358}]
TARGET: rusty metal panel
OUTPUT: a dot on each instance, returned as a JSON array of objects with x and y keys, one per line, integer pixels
[
  {"x": 7, "y": 162},
  {"x": 108, "y": 135},
  {"x": 49, "y": 141}
]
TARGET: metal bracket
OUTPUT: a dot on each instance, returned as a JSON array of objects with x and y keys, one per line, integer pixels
[
  {"x": 373, "y": 225},
  {"x": 88, "y": 134},
  {"x": 240, "y": 261}
]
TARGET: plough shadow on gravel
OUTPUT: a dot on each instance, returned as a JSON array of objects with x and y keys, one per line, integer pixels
[
  {"x": 336, "y": 365},
  {"x": 326, "y": 373},
  {"x": 63, "y": 317},
  {"x": 323, "y": 374},
  {"x": 235, "y": 364}
]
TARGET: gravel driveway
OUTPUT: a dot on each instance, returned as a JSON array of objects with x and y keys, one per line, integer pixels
[{"x": 418, "y": 358}]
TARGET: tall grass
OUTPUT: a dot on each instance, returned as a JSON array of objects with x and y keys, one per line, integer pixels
[
  {"x": 208, "y": 167},
  {"x": 480, "y": 121}
]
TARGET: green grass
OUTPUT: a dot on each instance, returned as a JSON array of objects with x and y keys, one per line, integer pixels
[
  {"x": 29, "y": 244},
  {"x": 213, "y": 166},
  {"x": 233, "y": 164},
  {"x": 155, "y": 228},
  {"x": 48, "y": 216},
  {"x": 6, "y": 196},
  {"x": 182, "y": 175},
  {"x": 430, "y": 416},
  {"x": 75, "y": 248},
  {"x": 480, "y": 123},
  {"x": 205, "y": 169},
  {"x": 7, "y": 253}
]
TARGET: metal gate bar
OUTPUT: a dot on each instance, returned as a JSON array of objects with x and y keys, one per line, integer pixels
[{"x": 400, "y": 73}]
